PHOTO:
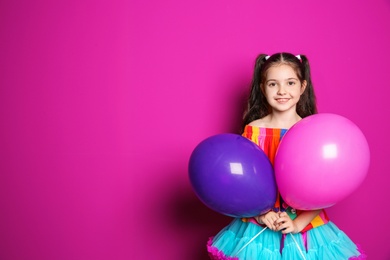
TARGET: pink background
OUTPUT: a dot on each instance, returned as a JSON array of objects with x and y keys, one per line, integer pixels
[{"x": 102, "y": 103}]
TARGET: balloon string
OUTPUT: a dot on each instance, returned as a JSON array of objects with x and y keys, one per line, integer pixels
[
  {"x": 300, "y": 251},
  {"x": 250, "y": 241}
]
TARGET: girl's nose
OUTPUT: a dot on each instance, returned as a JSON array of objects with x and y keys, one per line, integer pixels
[{"x": 281, "y": 91}]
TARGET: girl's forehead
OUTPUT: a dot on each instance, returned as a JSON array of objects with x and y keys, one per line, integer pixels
[{"x": 281, "y": 70}]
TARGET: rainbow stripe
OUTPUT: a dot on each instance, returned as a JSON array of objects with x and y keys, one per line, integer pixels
[{"x": 268, "y": 140}]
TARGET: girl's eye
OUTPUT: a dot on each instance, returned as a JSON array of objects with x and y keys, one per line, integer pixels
[
  {"x": 291, "y": 83},
  {"x": 272, "y": 84}
]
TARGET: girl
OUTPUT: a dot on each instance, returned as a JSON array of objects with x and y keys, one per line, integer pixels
[{"x": 281, "y": 94}]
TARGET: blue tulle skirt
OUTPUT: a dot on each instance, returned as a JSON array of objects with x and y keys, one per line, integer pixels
[{"x": 236, "y": 241}]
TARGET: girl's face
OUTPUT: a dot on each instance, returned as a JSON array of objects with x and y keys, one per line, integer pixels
[{"x": 282, "y": 88}]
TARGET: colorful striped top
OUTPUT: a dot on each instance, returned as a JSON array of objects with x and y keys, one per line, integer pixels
[{"x": 268, "y": 140}]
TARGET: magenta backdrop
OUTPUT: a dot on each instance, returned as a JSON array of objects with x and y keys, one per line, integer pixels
[{"x": 102, "y": 103}]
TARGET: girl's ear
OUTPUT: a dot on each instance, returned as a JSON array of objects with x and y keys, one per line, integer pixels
[{"x": 303, "y": 86}]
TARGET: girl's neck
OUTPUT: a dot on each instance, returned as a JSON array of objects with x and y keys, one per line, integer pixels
[{"x": 283, "y": 120}]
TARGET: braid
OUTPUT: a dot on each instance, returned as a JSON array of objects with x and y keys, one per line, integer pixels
[{"x": 307, "y": 103}]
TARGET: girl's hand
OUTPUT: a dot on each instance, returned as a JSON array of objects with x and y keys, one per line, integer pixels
[
  {"x": 285, "y": 224},
  {"x": 268, "y": 219}
]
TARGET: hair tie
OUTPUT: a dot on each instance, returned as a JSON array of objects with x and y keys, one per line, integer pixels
[
  {"x": 267, "y": 57},
  {"x": 299, "y": 57}
]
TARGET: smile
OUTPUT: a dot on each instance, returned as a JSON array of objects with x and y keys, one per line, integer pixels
[{"x": 282, "y": 100}]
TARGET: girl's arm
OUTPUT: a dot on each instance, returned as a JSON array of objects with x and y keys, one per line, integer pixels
[{"x": 287, "y": 225}]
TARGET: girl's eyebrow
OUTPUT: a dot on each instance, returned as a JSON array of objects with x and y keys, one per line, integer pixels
[{"x": 285, "y": 79}]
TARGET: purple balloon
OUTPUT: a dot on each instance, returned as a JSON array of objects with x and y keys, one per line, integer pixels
[{"x": 232, "y": 175}]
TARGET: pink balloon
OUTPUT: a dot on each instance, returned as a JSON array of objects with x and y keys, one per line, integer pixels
[{"x": 320, "y": 161}]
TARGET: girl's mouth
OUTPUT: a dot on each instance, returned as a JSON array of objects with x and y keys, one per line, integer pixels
[{"x": 282, "y": 100}]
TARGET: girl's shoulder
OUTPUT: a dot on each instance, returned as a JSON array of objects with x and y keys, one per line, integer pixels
[{"x": 261, "y": 123}]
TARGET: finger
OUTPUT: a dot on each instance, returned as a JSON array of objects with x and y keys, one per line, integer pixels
[
  {"x": 285, "y": 225},
  {"x": 283, "y": 214},
  {"x": 270, "y": 225},
  {"x": 282, "y": 226},
  {"x": 287, "y": 230},
  {"x": 268, "y": 219},
  {"x": 282, "y": 220}
]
